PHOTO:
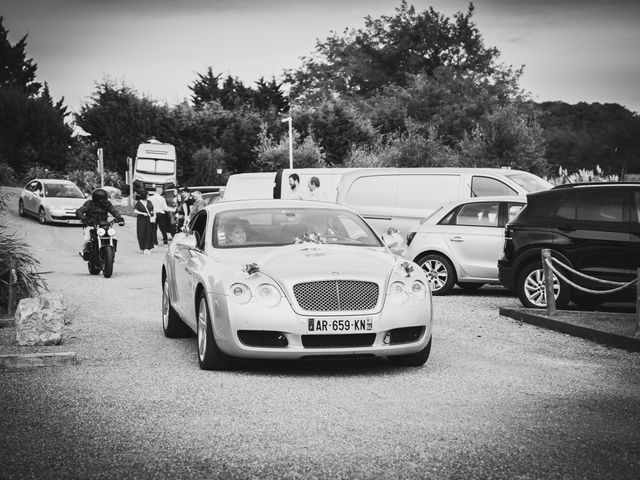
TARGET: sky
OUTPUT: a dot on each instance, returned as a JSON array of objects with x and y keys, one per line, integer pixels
[{"x": 572, "y": 50}]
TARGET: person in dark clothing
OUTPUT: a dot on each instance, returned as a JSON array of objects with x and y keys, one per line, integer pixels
[
  {"x": 94, "y": 211},
  {"x": 145, "y": 226}
]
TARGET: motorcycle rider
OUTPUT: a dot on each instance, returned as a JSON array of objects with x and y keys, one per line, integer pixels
[{"x": 95, "y": 211}]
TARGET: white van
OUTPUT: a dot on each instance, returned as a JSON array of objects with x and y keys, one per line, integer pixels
[
  {"x": 265, "y": 185},
  {"x": 400, "y": 197},
  {"x": 249, "y": 186},
  {"x": 329, "y": 179}
]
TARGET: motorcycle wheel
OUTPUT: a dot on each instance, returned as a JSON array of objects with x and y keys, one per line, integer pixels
[
  {"x": 94, "y": 269},
  {"x": 107, "y": 261}
]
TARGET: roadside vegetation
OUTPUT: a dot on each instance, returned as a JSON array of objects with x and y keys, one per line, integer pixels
[{"x": 416, "y": 88}]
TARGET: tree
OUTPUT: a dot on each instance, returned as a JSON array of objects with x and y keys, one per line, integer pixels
[
  {"x": 17, "y": 72},
  {"x": 32, "y": 127},
  {"x": 390, "y": 49},
  {"x": 506, "y": 139},
  {"x": 205, "y": 89},
  {"x": 118, "y": 120}
]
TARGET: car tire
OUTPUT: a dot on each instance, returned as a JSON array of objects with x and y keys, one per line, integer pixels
[
  {"x": 42, "y": 218},
  {"x": 172, "y": 324},
  {"x": 470, "y": 285},
  {"x": 440, "y": 272},
  {"x": 21, "y": 211},
  {"x": 531, "y": 289},
  {"x": 210, "y": 357},
  {"x": 413, "y": 359}
]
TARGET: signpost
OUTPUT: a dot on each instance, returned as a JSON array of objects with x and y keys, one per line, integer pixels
[{"x": 101, "y": 166}]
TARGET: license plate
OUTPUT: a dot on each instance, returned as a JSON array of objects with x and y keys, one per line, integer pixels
[{"x": 338, "y": 325}]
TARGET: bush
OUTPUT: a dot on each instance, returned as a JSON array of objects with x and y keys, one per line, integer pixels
[
  {"x": 29, "y": 282},
  {"x": 581, "y": 176}
]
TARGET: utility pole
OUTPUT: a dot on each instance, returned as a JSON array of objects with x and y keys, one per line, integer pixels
[{"x": 289, "y": 120}]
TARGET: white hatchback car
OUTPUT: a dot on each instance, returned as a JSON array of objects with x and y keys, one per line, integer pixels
[{"x": 461, "y": 242}]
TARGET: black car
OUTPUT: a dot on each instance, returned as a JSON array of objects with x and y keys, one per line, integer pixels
[{"x": 593, "y": 228}]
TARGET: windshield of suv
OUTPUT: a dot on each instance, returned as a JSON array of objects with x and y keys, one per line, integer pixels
[{"x": 529, "y": 181}]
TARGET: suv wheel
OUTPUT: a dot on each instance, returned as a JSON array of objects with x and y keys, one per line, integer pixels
[{"x": 531, "y": 289}]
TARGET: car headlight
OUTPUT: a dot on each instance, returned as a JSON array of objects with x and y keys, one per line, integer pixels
[
  {"x": 268, "y": 295},
  {"x": 398, "y": 292},
  {"x": 419, "y": 289},
  {"x": 240, "y": 293},
  {"x": 101, "y": 231},
  {"x": 111, "y": 231}
]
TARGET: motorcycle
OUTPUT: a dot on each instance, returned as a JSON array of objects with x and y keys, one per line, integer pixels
[{"x": 102, "y": 248}]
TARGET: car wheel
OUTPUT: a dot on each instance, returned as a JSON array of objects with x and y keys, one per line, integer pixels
[
  {"x": 210, "y": 357},
  {"x": 439, "y": 271},
  {"x": 172, "y": 324},
  {"x": 470, "y": 285},
  {"x": 413, "y": 359},
  {"x": 21, "y": 211},
  {"x": 42, "y": 216},
  {"x": 531, "y": 289}
]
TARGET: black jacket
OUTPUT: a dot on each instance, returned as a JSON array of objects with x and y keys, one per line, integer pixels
[{"x": 92, "y": 212}]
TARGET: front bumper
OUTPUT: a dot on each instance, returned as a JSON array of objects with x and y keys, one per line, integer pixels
[{"x": 239, "y": 330}]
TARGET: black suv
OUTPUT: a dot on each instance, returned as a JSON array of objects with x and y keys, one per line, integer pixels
[{"x": 593, "y": 228}]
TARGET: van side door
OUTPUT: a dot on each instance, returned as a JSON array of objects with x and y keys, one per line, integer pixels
[
  {"x": 372, "y": 197},
  {"x": 419, "y": 195}
]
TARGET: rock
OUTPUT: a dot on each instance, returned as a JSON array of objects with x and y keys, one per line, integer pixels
[{"x": 40, "y": 320}]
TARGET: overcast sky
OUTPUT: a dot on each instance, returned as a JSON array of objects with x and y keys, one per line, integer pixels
[{"x": 572, "y": 50}]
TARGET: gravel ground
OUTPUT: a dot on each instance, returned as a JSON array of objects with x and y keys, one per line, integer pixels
[{"x": 497, "y": 399}]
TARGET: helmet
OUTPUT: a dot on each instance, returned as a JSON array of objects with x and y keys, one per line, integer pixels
[{"x": 99, "y": 195}]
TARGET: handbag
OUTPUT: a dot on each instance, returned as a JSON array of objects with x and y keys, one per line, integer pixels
[{"x": 152, "y": 216}]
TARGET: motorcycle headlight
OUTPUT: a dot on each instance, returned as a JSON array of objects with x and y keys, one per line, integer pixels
[
  {"x": 419, "y": 289},
  {"x": 111, "y": 231},
  {"x": 268, "y": 295},
  {"x": 240, "y": 293},
  {"x": 398, "y": 292},
  {"x": 101, "y": 231}
]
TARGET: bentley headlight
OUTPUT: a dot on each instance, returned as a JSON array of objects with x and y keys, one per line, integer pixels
[
  {"x": 268, "y": 295},
  {"x": 111, "y": 231},
  {"x": 101, "y": 231},
  {"x": 240, "y": 293},
  {"x": 419, "y": 289},
  {"x": 398, "y": 292}
]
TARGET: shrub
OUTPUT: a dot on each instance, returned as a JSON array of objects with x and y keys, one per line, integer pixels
[{"x": 29, "y": 282}]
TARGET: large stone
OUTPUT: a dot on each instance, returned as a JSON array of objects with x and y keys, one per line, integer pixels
[{"x": 40, "y": 320}]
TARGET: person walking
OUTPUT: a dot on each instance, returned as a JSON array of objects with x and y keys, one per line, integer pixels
[
  {"x": 161, "y": 210},
  {"x": 145, "y": 225}
]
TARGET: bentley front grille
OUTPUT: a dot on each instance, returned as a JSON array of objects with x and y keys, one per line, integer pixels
[{"x": 336, "y": 295}]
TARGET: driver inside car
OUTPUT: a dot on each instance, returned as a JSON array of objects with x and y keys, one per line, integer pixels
[{"x": 95, "y": 211}]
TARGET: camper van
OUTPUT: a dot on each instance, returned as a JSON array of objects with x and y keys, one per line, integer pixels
[
  {"x": 401, "y": 197},
  {"x": 155, "y": 166}
]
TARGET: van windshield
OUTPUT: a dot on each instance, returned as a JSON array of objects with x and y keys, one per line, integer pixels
[
  {"x": 152, "y": 165},
  {"x": 529, "y": 181}
]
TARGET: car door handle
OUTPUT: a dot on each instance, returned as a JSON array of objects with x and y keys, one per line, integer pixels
[
  {"x": 457, "y": 239},
  {"x": 566, "y": 228}
]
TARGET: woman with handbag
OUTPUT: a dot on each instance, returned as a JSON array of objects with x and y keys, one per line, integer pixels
[{"x": 145, "y": 226}]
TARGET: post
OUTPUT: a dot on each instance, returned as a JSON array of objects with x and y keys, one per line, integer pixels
[
  {"x": 548, "y": 282},
  {"x": 289, "y": 119},
  {"x": 101, "y": 166},
  {"x": 13, "y": 281},
  {"x": 130, "y": 172},
  {"x": 637, "y": 332}
]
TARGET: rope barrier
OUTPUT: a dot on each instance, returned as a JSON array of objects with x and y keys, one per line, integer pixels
[{"x": 621, "y": 286}]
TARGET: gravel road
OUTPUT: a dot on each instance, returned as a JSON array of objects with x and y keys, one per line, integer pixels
[{"x": 497, "y": 398}]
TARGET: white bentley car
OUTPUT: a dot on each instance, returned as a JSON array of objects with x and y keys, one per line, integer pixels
[{"x": 291, "y": 279}]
